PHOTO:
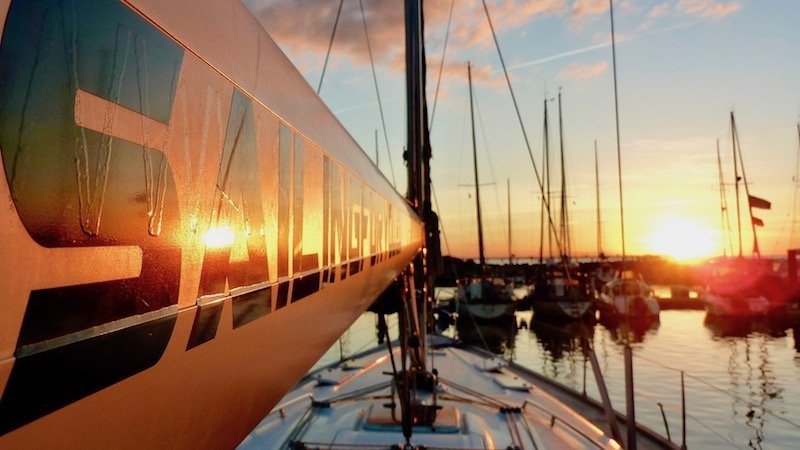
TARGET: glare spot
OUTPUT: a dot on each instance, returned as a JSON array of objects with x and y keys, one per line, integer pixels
[
  {"x": 218, "y": 237},
  {"x": 683, "y": 239}
]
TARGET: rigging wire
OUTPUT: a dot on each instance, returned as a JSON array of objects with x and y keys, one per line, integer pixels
[
  {"x": 616, "y": 124},
  {"x": 374, "y": 77},
  {"x": 330, "y": 46},
  {"x": 441, "y": 223},
  {"x": 488, "y": 154},
  {"x": 546, "y": 184},
  {"x": 377, "y": 91},
  {"x": 725, "y": 217},
  {"x": 519, "y": 118},
  {"x": 718, "y": 389},
  {"x": 738, "y": 149},
  {"x": 441, "y": 65}
]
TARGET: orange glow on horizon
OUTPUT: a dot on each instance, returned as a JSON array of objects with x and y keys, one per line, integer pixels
[{"x": 682, "y": 239}]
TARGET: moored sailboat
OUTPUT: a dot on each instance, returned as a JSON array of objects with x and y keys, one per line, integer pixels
[
  {"x": 560, "y": 292},
  {"x": 627, "y": 296},
  {"x": 740, "y": 286},
  {"x": 484, "y": 297},
  {"x": 558, "y": 295}
]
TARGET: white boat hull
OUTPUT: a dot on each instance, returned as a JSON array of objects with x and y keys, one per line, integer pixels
[
  {"x": 484, "y": 403},
  {"x": 629, "y": 306},
  {"x": 487, "y": 311},
  {"x": 562, "y": 309}
]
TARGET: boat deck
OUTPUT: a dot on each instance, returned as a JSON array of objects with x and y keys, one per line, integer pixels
[{"x": 481, "y": 402}]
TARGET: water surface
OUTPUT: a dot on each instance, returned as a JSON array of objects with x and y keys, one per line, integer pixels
[{"x": 741, "y": 380}]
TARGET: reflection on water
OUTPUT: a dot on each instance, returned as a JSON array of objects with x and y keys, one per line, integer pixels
[
  {"x": 795, "y": 334},
  {"x": 753, "y": 371},
  {"x": 741, "y": 378},
  {"x": 743, "y": 327},
  {"x": 562, "y": 345},
  {"x": 496, "y": 335},
  {"x": 561, "y": 340},
  {"x": 631, "y": 332}
]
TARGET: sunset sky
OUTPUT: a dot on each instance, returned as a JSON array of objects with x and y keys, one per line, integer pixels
[{"x": 683, "y": 65}]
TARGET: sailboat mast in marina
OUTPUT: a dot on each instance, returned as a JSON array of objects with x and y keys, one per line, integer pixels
[
  {"x": 508, "y": 191},
  {"x": 752, "y": 201},
  {"x": 564, "y": 237},
  {"x": 545, "y": 202},
  {"x": 597, "y": 202},
  {"x": 475, "y": 167},
  {"x": 484, "y": 299},
  {"x": 723, "y": 205},
  {"x": 558, "y": 293},
  {"x": 796, "y": 183}
]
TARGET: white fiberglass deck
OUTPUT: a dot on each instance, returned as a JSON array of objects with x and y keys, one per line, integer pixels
[{"x": 484, "y": 404}]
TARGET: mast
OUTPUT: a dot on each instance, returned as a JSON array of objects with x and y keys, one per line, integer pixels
[
  {"x": 630, "y": 406},
  {"x": 427, "y": 262},
  {"x": 475, "y": 164},
  {"x": 736, "y": 178},
  {"x": 508, "y": 190},
  {"x": 545, "y": 207},
  {"x": 796, "y": 181},
  {"x": 597, "y": 201},
  {"x": 752, "y": 201},
  {"x": 414, "y": 104},
  {"x": 564, "y": 219},
  {"x": 723, "y": 205}
]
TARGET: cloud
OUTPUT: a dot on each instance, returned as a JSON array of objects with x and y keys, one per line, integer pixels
[
  {"x": 655, "y": 13},
  {"x": 658, "y": 11},
  {"x": 305, "y": 26},
  {"x": 576, "y": 71},
  {"x": 582, "y": 8},
  {"x": 708, "y": 9}
]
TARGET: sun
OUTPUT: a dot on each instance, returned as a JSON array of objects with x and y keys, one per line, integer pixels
[{"x": 683, "y": 239}]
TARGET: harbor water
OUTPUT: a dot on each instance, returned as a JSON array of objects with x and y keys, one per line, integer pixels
[{"x": 741, "y": 380}]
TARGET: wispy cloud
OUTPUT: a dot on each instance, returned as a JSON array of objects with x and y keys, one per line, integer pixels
[
  {"x": 582, "y": 8},
  {"x": 473, "y": 29},
  {"x": 305, "y": 26},
  {"x": 708, "y": 9},
  {"x": 701, "y": 9},
  {"x": 658, "y": 10},
  {"x": 576, "y": 71},
  {"x": 655, "y": 13}
]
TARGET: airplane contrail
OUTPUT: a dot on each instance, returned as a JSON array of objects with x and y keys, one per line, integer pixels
[{"x": 597, "y": 46}]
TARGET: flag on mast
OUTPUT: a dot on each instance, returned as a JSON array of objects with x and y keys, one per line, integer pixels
[{"x": 756, "y": 202}]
